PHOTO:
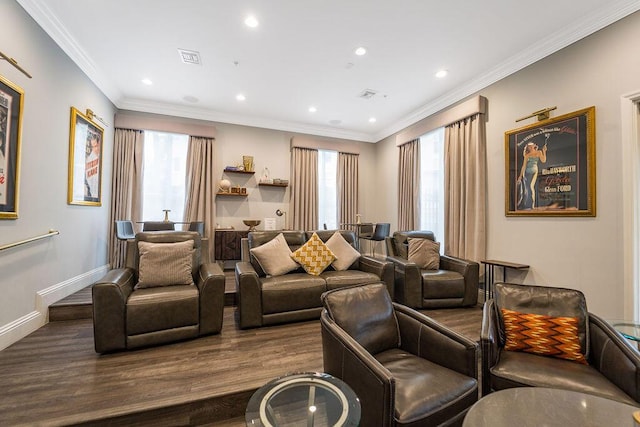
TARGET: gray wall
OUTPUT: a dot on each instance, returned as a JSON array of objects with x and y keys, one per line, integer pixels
[{"x": 582, "y": 253}]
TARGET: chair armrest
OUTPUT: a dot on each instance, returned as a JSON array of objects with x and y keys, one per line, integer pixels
[
  {"x": 408, "y": 282},
  {"x": 344, "y": 358},
  {"x": 211, "y": 284},
  {"x": 470, "y": 270},
  {"x": 382, "y": 269},
  {"x": 109, "y": 299},
  {"x": 249, "y": 295},
  {"x": 489, "y": 342},
  {"x": 613, "y": 356},
  {"x": 426, "y": 338}
]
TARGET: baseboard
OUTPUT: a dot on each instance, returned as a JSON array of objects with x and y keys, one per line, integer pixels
[{"x": 20, "y": 328}]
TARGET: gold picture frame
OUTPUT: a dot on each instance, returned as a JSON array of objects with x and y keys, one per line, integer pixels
[
  {"x": 551, "y": 167},
  {"x": 11, "y": 107},
  {"x": 85, "y": 161}
]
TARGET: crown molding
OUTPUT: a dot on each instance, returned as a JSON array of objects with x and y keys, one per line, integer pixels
[{"x": 591, "y": 23}]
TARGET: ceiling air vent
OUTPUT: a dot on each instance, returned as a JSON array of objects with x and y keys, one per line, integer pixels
[
  {"x": 367, "y": 93},
  {"x": 189, "y": 56}
]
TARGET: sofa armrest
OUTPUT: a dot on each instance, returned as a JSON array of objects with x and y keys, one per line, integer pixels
[
  {"x": 426, "y": 338},
  {"x": 344, "y": 358},
  {"x": 109, "y": 297},
  {"x": 470, "y": 270},
  {"x": 382, "y": 269},
  {"x": 249, "y": 295},
  {"x": 211, "y": 284},
  {"x": 489, "y": 342},
  {"x": 614, "y": 357},
  {"x": 408, "y": 282}
]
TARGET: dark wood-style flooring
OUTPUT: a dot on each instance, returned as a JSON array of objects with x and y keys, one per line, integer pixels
[{"x": 54, "y": 377}]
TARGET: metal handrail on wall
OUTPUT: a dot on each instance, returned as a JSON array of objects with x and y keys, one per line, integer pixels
[{"x": 32, "y": 239}]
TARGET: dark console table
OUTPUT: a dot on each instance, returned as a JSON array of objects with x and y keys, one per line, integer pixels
[
  {"x": 227, "y": 245},
  {"x": 489, "y": 273}
]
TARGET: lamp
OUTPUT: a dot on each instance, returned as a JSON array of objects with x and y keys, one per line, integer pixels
[{"x": 281, "y": 213}]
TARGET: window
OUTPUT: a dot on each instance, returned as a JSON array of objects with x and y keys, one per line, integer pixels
[
  {"x": 327, "y": 189},
  {"x": 164, "y": 173},
  {"x": 432, "y": 184}
]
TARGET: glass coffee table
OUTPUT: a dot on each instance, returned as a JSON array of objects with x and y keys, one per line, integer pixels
[{"x": 305, "y": 399}]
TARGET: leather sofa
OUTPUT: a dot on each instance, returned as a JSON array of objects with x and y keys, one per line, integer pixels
[
  {"x": 453, "y": 284},
  {"x": 126, "y": 316},
  {"x": 613, "y": 366},
  {"x": 295, "y": 296},
  {"x": 406, "y": 369}
]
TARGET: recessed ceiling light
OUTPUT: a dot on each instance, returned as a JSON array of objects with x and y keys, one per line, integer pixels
[
  {"x": 442, "y": 73},
  {"x": 251, "y": 21},
  {"x": 372, "y": 119},
  {"x": 360, "y": 51},
  {"x": 148, "y": 82},
  {"x": 312, "y": 109},
  {"x": 240, "y": 97}
]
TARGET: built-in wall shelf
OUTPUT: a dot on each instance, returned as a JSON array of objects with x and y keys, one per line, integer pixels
[
  {"x": 265, "y": 184},
  {"x": 238, "y": 171},
  {"x": 232, "y": 194}
]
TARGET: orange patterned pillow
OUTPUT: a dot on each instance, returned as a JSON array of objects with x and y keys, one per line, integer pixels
[{"x": 543, "y": 335}]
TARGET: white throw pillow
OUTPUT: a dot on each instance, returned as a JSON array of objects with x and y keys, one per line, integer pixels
[
  {"x": 345, "y": 254},
  {"x": 275, "y": 256}
]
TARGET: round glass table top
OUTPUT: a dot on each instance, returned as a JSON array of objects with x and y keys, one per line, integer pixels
[
  {"x": 630, "y": 330},
  {"x": 307, "y": 399}
]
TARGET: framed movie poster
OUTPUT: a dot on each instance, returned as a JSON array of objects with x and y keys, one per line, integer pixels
[
  {"x": 11, "y": 102},
  {"x": 85, "y": 161},
  {"x": 551, "y": 167}
]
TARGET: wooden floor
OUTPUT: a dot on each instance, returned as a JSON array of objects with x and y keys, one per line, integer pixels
[{"x": 53, "y": 377}]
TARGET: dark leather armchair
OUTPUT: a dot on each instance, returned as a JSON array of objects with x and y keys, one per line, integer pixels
[
  {"x": 613, "y": 369},
  {"x": 405, "y": 368},
  {"x": 126, "y": 317},
  {"x": 453, "y": 284}
]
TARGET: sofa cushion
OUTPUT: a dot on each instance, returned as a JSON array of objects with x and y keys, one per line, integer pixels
[
  {"x": 274, "y": 256},
  {"x": 425, "y": 253},
  {"x": 165, "y": 264},
  {"x": 291, "y": 292},
  {"x": 314, "y": 256},
  {"x": 543, "y": 335},
  {"x": 345, "y": 254},
  {"x": 519, "y": 369},
  {"x": 340, "y": 279},
  {"x": 427, "y": 391},
  {"x": 161, "y": 308},
  {"x": 366, "y": 313},
  {"x": 438, "y": 284}
]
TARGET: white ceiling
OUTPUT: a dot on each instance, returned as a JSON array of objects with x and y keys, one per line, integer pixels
[{"x": 302, "y": 54}]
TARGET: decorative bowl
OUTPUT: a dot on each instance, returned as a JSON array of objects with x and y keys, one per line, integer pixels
[{"x": 251, "y": 223}]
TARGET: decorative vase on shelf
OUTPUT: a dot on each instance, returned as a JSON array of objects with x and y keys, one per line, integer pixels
[
  {"x": 247, "y": 162},
  {"x": 224, "y": 185},
  {"x": 265, "y": 176}
]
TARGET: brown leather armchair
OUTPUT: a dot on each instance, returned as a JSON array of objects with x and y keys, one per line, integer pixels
[
  {"x": 405, "y": 368},
  {"x": 126, "y": 317},
  {"x": 613, "y": 369},
  {"x": 453, "y": 284}
]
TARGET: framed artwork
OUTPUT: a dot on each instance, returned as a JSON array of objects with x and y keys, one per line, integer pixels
[
  {"x": 11, "y": 102},
  {"x": 551, "y": 167},
  {"x": 85, "y": 161}
]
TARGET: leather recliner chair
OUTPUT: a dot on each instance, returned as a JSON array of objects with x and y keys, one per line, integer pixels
[
  {"x": 405, "y": 368},
  {"x": 613, "y": 367},
  {"x": 453, "y": 284},
  {"x": 125, "y": 317}
]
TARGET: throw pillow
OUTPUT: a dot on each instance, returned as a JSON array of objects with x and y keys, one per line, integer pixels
[
  {"x": 314, "y": 255},
  {"x": 274, "y": 256},
  {"x": 345, "y": 254},
  {"x": 165, "y": 264},
  {"x": 543, "y": 335},
  {"x": 425, "y": 253}
]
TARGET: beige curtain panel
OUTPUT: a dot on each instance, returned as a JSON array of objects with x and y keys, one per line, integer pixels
[
  {"x": 201, "y": 186},
  {"x": 126, "y": 187},
  {"x": 465, "y": 188},
  {"x": 408, "y": 185},
  {"x": 347, "y": 187},
  {"x": 303, "y": 205}
]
